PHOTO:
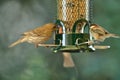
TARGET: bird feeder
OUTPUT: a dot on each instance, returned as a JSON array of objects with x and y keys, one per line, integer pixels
[
  {"x": 73, "y": 21},
  {"x": 74, "y": 18}
]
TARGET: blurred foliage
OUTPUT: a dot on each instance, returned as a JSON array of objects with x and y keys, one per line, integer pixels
[{"x": 24, "y": 62}]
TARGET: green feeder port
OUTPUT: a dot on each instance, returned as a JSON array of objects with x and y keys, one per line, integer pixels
[{"x": 72, "y": 42}]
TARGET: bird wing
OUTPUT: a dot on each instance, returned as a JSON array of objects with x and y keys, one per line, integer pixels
[
  {"x": 100, "y": 31},
  {"x": 29, "y": 33},
  {"x": 96, "y": 30},
  {"x": 38, "y": 32},
  {"x": 43, "y": 31},
  {"x": 105, "y": 31}
]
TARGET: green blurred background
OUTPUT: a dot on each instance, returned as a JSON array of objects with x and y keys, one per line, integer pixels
[{"x": 24, "y": 62}]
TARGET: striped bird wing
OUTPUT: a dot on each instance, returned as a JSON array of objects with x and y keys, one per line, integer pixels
[
  {"x": 100, "y": 31},
  {"x": 38, "y": 32},
  {"x": 103, "y": 29}
]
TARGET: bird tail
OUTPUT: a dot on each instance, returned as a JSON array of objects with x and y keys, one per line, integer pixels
[
  {"x": 21, "y": 40},
  {"x": 68, "y": 61},
  {"x": 113, "y": 35}
]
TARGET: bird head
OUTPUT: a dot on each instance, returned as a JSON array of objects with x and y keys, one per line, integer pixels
[
  {"x": 51, "y": 26},
  {"x": 93, "y": 26},
  {"x": 55, "y": 27}
]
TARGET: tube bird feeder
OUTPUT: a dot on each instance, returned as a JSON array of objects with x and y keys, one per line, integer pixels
[{"x": 73, "y": 20}]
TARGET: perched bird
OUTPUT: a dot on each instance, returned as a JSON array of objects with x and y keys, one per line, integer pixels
[
  {"x": 100, "y": 34},
  {"x": 38, "y": 35}
]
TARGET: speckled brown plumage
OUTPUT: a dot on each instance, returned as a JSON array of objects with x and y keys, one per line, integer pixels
[
  {"x": 38, "y": 35},
  {"x": 100, "y": 34}
]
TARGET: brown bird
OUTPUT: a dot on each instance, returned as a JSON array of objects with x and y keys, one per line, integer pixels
[
  {"x": 38, "y": 35},
  {"x": 100, "y": 34}
]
